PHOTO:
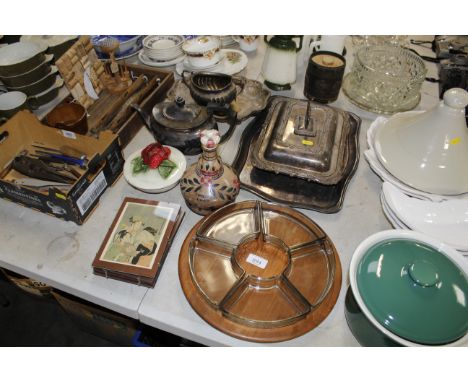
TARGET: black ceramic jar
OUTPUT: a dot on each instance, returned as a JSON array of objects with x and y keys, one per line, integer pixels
[{"x": 324, "y": 76}]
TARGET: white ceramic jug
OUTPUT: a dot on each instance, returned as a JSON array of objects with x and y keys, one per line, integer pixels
[
  {"x": 279, "y": 64},
  {"x": 330, "y": 43}
]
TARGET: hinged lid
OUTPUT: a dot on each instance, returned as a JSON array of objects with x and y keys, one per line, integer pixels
[
  {"x": 303, "y": 139},
  {"x": 414, "y": 290},
  {"x": 179, "y": 115}
]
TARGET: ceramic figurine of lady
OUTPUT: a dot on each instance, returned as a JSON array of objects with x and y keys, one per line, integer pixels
[{"x": 209, "y": 184}]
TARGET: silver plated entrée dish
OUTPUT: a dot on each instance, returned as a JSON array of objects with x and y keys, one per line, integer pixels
[
  {"x": 294, "y": 191},
  {"x": 303, "y": 139}
]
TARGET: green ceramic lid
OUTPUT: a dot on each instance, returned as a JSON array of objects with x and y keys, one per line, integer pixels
[
  {"x": 414, "y": 291},
  {"x": 283, "y": 42}
]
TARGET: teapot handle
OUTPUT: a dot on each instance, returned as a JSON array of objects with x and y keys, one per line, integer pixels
[
  {"x": 239, "y": 81},
  {"x": 232, "y": 119}
]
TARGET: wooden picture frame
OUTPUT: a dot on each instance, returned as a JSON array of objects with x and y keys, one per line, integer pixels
[{"x": 137, "y": 240}]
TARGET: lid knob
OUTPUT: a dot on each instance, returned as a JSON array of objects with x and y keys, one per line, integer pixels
[
  {"x": 180, "y": 101},
  {"x": 456, "y": 98},
  {"x": 423, "y": 273}
]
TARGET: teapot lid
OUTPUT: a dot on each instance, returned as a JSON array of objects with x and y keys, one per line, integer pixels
[{"x": 179, "y": 115}]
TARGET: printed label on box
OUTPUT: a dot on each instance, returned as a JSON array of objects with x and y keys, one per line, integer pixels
[{"x": 92, "y": 193}]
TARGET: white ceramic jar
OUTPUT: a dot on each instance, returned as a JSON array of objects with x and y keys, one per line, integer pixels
[
  {"x": 247, "y": 43},
  {"x": 203, "y": 51}
]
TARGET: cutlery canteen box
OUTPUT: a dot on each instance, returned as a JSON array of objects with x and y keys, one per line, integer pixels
[
  {"x": 109, "y": 110},
  {"x": 23, "y": 133}
]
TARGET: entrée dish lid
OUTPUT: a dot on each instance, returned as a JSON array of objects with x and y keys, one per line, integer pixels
[
  {"x": 413, "y": 287},
  {"x": 179, "y": 115},
  {"x": 303, "y": 139}
]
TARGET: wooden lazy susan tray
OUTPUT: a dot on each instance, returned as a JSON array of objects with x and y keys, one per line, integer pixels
[{"x": 260, "y": 271}]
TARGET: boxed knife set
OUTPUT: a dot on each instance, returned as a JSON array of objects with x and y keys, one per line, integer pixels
[{"x": 56, "y": 171}]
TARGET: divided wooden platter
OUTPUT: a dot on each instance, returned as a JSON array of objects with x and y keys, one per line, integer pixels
[{"x": 294, "y": 291}]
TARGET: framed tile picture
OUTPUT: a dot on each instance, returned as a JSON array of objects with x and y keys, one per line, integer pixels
[{"x": 136, "y": 243}]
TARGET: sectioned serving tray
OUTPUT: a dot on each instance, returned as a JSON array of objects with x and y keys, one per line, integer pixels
[
  {"x": 295, "y": 191},
  {"x": 260, "y": 271}
]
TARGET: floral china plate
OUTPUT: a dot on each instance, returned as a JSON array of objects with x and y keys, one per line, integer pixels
[
  {"x": 151, "y": 181},
  {"x": 156, "y": 63},
  {"x": 233, "y": 61}
]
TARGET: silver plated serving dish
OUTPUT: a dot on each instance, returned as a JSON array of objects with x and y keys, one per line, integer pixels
[
  {"x": 291, "y": 190},
  {"x": 305, "y": 140}
]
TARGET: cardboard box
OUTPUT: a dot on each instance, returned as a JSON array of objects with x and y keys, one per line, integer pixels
[
  {"x": 28, "y": 285},
  {"x": 105, "y": 164},
  {"x": 97, "y": 320}
]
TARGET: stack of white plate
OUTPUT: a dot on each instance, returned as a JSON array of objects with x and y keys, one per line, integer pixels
[
  {"x": 162, "y": 50},
  {"x": 377, "y": 166},
  {"x": 443, "y": 217},
  {"x": 446, "y": 221},
  {"x": 227, "y": 41}
]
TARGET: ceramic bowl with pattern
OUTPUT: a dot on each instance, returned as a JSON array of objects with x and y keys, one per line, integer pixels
[
  {"x": 202, "y": 51},
  {"x": 163, "y": 48},
  {"x": 128, "y": 45}
]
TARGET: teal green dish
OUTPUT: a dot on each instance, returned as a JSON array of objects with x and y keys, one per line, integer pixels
[
  {"x": 410, "y": 288},
  {"x": 363, "y": 330},
  {"x": 404, "y": 282}
]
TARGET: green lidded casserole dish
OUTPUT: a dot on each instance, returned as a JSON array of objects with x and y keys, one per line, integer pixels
[{"x": 410, "y": 287}]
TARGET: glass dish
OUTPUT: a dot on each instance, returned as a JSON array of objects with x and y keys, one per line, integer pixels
[
  {"x": 385, "y": 79},
  {"x": 262, "y": 265},
  {"x": 394, "y": 40}
]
